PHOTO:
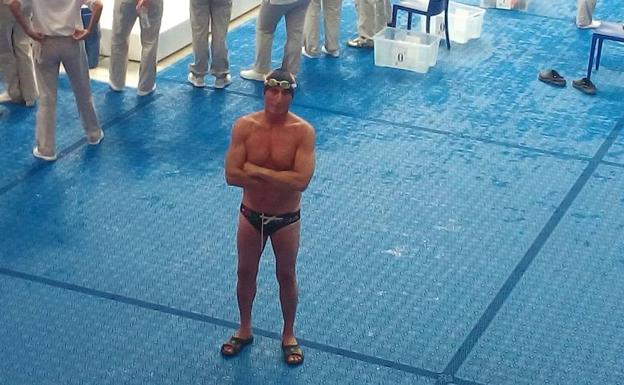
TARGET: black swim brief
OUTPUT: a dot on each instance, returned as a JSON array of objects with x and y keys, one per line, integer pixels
[{"x": 267, "y": 224}]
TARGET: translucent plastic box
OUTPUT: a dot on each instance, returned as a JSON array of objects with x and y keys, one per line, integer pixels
[
  {"x": 406, "y": 49},
  {"x": 519, "y": 5},
  {"x": 465, "y": 23}
]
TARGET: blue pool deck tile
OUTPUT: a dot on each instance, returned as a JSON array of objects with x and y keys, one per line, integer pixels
[
  {"x": 563, "y": 323},
  {"x": 397, "y": 213},
  {"x": 54, "y": 336}
]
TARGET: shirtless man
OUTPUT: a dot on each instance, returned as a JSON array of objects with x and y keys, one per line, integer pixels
[{"x": 271, "y": 157}]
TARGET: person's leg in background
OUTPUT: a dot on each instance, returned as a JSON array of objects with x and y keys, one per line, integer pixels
[
  {"x": 266, "y": 23},
  {"x": 16, "y": 60},
  {"x": 295, "y": 17},
  {"x": 124, "y": 17},
  {"x": 584, "y": 14},
  {"x": 149, "y": 48},
  {"x": 221, "y": 13},
  {"x": 25, "y": 66},
  {"x": 200, "y": 30},
  {"x": 312, "y": 30},
  {"x": 74, "y": 59},
  {"x": 331, "y": 18},
  {"x": 47, "y": 63}
]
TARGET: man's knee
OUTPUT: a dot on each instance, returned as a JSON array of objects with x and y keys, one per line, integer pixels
[
  {"x": 286, "y": 277},
  {"x": 247, "y": 273}
]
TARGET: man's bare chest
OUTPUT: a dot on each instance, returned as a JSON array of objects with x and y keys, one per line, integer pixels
[{"x": 271, "y": 150}]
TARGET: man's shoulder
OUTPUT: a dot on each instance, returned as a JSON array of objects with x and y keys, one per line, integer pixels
[
  {"x": 249, "y": 119},
  {"x": 301, "y": 123}
]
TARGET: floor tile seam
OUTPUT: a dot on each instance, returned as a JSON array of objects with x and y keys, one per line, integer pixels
[
  {"x": 516, "y": 275},
  {"x": 329, "y": 349},
  {"x": 556, "y": 154},
  {"x": 40, "y": 165}
]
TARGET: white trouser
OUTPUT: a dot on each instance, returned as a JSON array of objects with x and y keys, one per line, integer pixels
[
  {"x": 16, "y": 58},
  {"x": 270, "y": 15},
  {"x": 373, "y": 16},
  {"x": 584, "y": 11},
  {"x": 210, "y": 16},
  {"x": 124, "y": 17},
  {"x": 331, "y": 24},
  {"x": 49, "y": 54}
]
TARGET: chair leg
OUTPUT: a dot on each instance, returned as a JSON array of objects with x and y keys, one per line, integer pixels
[
  {"x": 394, "y": 17},
  {"x": 446, "y": 30},
  {"x": 598, "y": 53},
  {"x": 592, "y": 52}
]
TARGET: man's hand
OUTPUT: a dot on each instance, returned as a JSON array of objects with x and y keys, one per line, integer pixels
[
  {"x": 142, "y": 3},
  {"x": 35, "y": 35},
  {"x": 80, "y": 34},
  {"x": 253, "y": 170}
]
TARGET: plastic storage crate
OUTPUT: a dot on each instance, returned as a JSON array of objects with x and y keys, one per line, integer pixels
[
  {"x": 518, "y": 5},
  {"x": 465, "y": 23},
  {"x": 406, "y": 49}
]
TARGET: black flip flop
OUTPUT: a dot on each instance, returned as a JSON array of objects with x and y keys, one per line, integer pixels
[
  {"x": 237, "y": 344},
  {"x": 552, "y": 77},
  {"x": 292, "y": 351}
]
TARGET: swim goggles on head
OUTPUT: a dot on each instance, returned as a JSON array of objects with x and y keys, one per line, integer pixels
[{"x": 283, "y": 84}]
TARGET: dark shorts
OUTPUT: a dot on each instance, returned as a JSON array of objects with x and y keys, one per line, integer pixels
[{"x": 267, "y": 224}]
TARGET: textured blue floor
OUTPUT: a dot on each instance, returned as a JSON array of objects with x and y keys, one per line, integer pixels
[{"x": 463, "y": 226}]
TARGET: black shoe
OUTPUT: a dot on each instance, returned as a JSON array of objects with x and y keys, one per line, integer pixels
[
  {"x": 552, "y": 77},
  {"x": 585, "y": 86}
]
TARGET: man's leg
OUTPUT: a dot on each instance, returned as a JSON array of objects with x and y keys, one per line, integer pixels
[
  {"x": 124, "y": 17},
  {"x": 149, "y": 48},
  {"x": 47, "y": 63},
  {"x": 584, "y": 12},
  {"x": 74, "y": 60},
  {"x": 221, "y": 13},
  {"x": 295, "y": 17},
  {"x": 250, "y": 246},
  {"x": 312, "y": 28},
  {"x": 25, "y": 68},
  {"x": 285, "y": 244},
  {"x": 200, "y": 29},
  {"x": 331, "y": 16},
  {"x": 8, "y": 64},
  {"x": 265, "y": 28}
]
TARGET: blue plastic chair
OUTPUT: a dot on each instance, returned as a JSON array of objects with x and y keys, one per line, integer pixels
[{"x": 427, "y": 8}]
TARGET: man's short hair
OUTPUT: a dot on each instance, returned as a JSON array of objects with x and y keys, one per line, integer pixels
[{"x": 280, "y": 78}]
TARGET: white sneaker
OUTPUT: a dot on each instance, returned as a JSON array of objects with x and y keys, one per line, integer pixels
[
  {"x": 5, "y": 98},
  {"x": 30, "y": 103},
  {"x": 592, "y": 25},
  {"x": 37, "y": 154},
  {"x": 361, "y": 42},
  {"x": 97, "y": 139},
  {"x": 196, "y": 81},
  {"x": 145, "y": 93},
  {"x": 222, "y": 81},
  {"x": 308, "y": 55},
  {"x": 335, "y": 53},
  {"x": 251, "y": 74},
  {"x": 115, "y": 88}
]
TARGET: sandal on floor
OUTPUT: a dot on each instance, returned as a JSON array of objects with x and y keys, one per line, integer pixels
[
  {"x": 235, "y": 345},
  {"x": 291, "y": 351},
  {"x": 585, "y": 86},
  {"x": 552, "y": 77}
]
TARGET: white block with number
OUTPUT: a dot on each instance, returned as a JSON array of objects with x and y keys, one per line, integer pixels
[{"x": 408, "y": 50}]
